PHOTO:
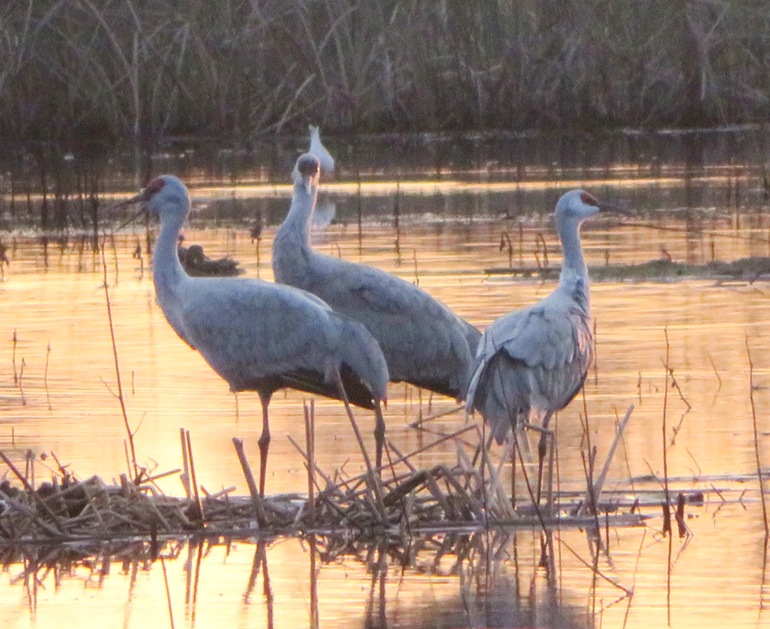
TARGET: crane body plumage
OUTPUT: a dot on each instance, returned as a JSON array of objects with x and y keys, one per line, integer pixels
[
  {"x": 532, "y": 362},
  {"x": 258, "y": 335},
  {"x": 423, "y": 341}
]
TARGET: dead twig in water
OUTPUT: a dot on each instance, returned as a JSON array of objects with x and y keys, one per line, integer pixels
[
  {"x": 13, "y": 359},
  {"x": 120, "y": 397},
  {"x": 594, "y": 497},
  {"x": 21, "y": 388},
  {"x": 45, "y": 376},
  {"x": 504, "y": 237},
  {"x": 716, "y": 373},
  {"x": 667, "y": 503},
  {"x": 756, "y": 441}
]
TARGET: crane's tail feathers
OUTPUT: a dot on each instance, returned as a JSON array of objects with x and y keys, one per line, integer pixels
[
  {"x": 361, "y": 357},
  {"x": 499, "y": 391},
  {"x": 313, "y": 382},
  {"x": 441, "y": 387}
]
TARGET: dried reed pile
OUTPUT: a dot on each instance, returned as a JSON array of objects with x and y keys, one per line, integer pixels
[{"x": 395, "y": 502}]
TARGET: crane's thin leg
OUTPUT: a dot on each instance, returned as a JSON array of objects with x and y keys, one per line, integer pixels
[
  {"x": 372, "y": 474},
  {"x": 264, "y": 442},
  {"x": 545, "y": 435},
  {"x": 379, "y": 434}
]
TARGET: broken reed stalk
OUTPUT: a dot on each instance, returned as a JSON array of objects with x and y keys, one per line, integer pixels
[
  {"x": 185, "y": 464},
  {"x": 594, "y": 569},
  {"x": 756, "y": 441},
  {"x": 505, "y": 238},
  {"x": 13, "y": 359},
  {"x": 45, "y": 376},
  {"x": 120, "y": 397},
  {"x": 193, "y": 477},
  {"x": 373, "y": 476},
  {"x": 21, "y": 387},
  {"x": 30, "y": 490},
  {"x": 423, "y": 420},
  {"x": 666, "y": 506},
  {"x": 541, "y": 239},
  {"x": 591, "y": 456},
  {"x": 309, "y": 411},
  {"x": 596, "y": 494},
  {"x": 714, "y": 367},
  {"x": 256, "y": 499},
  {"x": 115, "y": 257}
]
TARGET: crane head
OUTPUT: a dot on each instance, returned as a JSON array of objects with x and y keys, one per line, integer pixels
[
  {"x": 307, "y": 172},
  {"x": 577, "y": 205},
  {"x": 165, "y": 196}
]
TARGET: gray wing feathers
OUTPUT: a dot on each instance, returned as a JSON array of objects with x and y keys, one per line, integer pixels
[
  {"x": 369, "y": 364},
  {"x": 249, "y": 330},
  {"x": 530, "y": 363},
  {"x": 421, "y": 338}
]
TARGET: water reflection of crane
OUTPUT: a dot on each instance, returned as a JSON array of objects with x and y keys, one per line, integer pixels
[
  {"x": 424, "y": 342},
  {"x": 514, "y": 593},
  {"x": 532, "y": 362},
  {"x": 258, "y": 335}
]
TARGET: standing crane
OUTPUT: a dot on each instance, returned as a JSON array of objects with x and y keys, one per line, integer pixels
[
  {"x": 424, "y": 342},
  {"x": 261, "y": 336},
  {"x": 531, "y": 363}
]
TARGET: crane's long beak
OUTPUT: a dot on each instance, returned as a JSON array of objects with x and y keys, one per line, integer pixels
[{"x": 141, "y": 197}]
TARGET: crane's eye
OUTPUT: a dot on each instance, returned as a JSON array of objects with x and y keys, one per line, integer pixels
[{"x": 589, "y": 199}]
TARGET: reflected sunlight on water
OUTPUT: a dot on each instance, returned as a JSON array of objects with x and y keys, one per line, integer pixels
[{"x": 65, "y": 403}]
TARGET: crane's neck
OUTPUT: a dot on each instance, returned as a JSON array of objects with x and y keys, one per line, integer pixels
[
  {"x": 167, "y": 271},
  {"x": 294, "y": 233},
  {"x": 574, "y": 273}
]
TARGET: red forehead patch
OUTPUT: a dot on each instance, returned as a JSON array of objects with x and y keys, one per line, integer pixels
[
  {"x": 155, "y": 185},
  {"x": 589, "y": 199}
]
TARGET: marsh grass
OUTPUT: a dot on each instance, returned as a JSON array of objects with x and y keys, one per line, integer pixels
[{"x": 134, "y": 71}]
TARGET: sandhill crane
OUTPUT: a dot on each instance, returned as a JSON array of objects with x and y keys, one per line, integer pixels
[
  {"x": 423, "y": 341},
  {"x": 319, "y": 150},
  {"x": 531, "y": 363},
  {"x": 258, "y": 335}
]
